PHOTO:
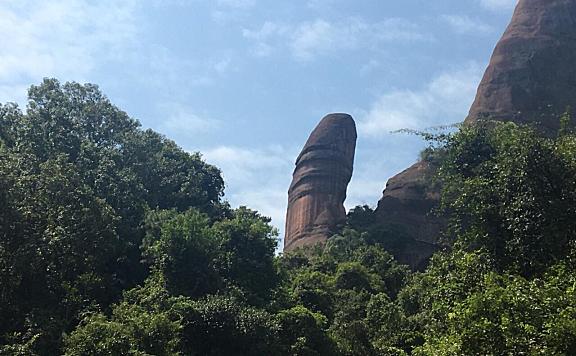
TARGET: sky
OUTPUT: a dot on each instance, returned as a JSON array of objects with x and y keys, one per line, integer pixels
[{"x": 244, "y": 82}]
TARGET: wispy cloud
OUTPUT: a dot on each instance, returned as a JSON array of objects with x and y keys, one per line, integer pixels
[
  {"x": 444, "y": 100},
  {"x": 238, "y": 4},
  {"x": 498, "y": 4},
  {"x": 167, "y": 3},
  {"x": 465, "y": 25},
  {"x": 229, "y": 11},
  {"x": 246, "y": 165},
  {"x": 364, "y": 189},
  {"x": 181, "y": 123},
  {"x": 61, "y": 38},
  {"x": 266, "y": 36},
  {"x": 222, "y": 66},
  {"x": 307, "y": 40},
  {"x": 257, "y": 178},
  {"x": 166, "y": 69}
]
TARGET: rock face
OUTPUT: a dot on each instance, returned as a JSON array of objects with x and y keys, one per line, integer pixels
[
  {"x": 531, "y": 78},
  {"x": 407, "y": 200},
  {"x": 532, "y": 74},
  {"x": 406, "y": 207},
  {"x": 318, "y": 189}
]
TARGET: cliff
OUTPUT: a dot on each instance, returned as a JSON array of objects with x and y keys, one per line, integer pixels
[{"x": 531, "y": 78}]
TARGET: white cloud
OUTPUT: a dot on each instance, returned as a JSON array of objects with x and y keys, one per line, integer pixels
[
  {"x": 265, "y": 37},
  {"x": 181, "y": 123},
  {"x": 243, "y": 165},
  {"x": 364, "y": 190},
  {"x": 222, "y": 66},
  {"x": 237, "y": 4},
  {"x": 177, "y": 3},
  {"x": 61, "y": 38},
  {"x": 320, "y": 4},
  {"x": 465, "y": 24},
  {"x": 318, "y": 36},
  {"x": 370, "y": 66},
  {"x": 257, "y": 178},
  {"x": 230, "y": 11},
  {"x": 270, "y": 201},
  {"x": 498, "y": 4},
  {"x": 445, "y": 100},
  {"x": 15, "y": 93},
  {"x": 307, "y": 40},
  {"x": 266, "y": 32},
  {"x": 378, "y": 160}
]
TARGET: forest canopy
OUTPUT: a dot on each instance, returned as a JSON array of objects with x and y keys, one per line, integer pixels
[{"x": 115, "y": 241}]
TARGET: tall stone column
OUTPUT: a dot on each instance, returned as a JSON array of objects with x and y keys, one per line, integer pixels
[{"x": 318, "y": 190}]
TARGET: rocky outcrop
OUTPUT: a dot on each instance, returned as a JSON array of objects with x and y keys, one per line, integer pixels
[
  {"x": 406, "y": 208},
  {"x": 407, "y": 202},
  {"x": 318, "y": 190},
  {"x": 531, "y": 77}
]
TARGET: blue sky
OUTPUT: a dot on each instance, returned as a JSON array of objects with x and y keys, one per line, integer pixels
[{"x": 245, "y": 81}]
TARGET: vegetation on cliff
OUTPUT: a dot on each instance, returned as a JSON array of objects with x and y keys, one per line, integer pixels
[{"x": 114, "y": 241}]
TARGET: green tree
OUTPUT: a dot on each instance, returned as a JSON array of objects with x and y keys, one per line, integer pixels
[
  {"x": 510, "y": 315},
  {"x": 245, "y": 246},
  {"x": 303, "y": 333},
  {"x": 77, "y": 177},
  {"x": 511, "y": 191},
  {"x": 222, "y": 325},
  {"x": 181, "y": 248},
  {"x": 144, "y": 323}
]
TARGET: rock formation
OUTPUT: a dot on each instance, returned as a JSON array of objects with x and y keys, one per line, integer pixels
[
  {"x": 406, "y": 208},
  {"x": 318, "y": 190},
  {"x": 531, "y": 78}
]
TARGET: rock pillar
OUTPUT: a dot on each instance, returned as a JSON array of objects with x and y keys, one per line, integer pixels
[{"x": 318, "y": 190}]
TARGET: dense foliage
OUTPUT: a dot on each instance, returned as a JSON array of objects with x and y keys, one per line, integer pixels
[
  {"x": 114, "y": 241},
  {"x": 506, "y": 286},
  {"x": 77, "y": 179}
]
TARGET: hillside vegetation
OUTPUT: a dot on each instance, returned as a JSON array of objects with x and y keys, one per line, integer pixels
[{"x": 115, "y": 241}]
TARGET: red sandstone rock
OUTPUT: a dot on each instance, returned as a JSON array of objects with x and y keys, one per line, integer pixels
[
  {"x": 407, "y": 201},
  {"x": 531, "y": 77},
  {"x": 318, "y": 189},
  {"x": 406, "y": 208}
]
